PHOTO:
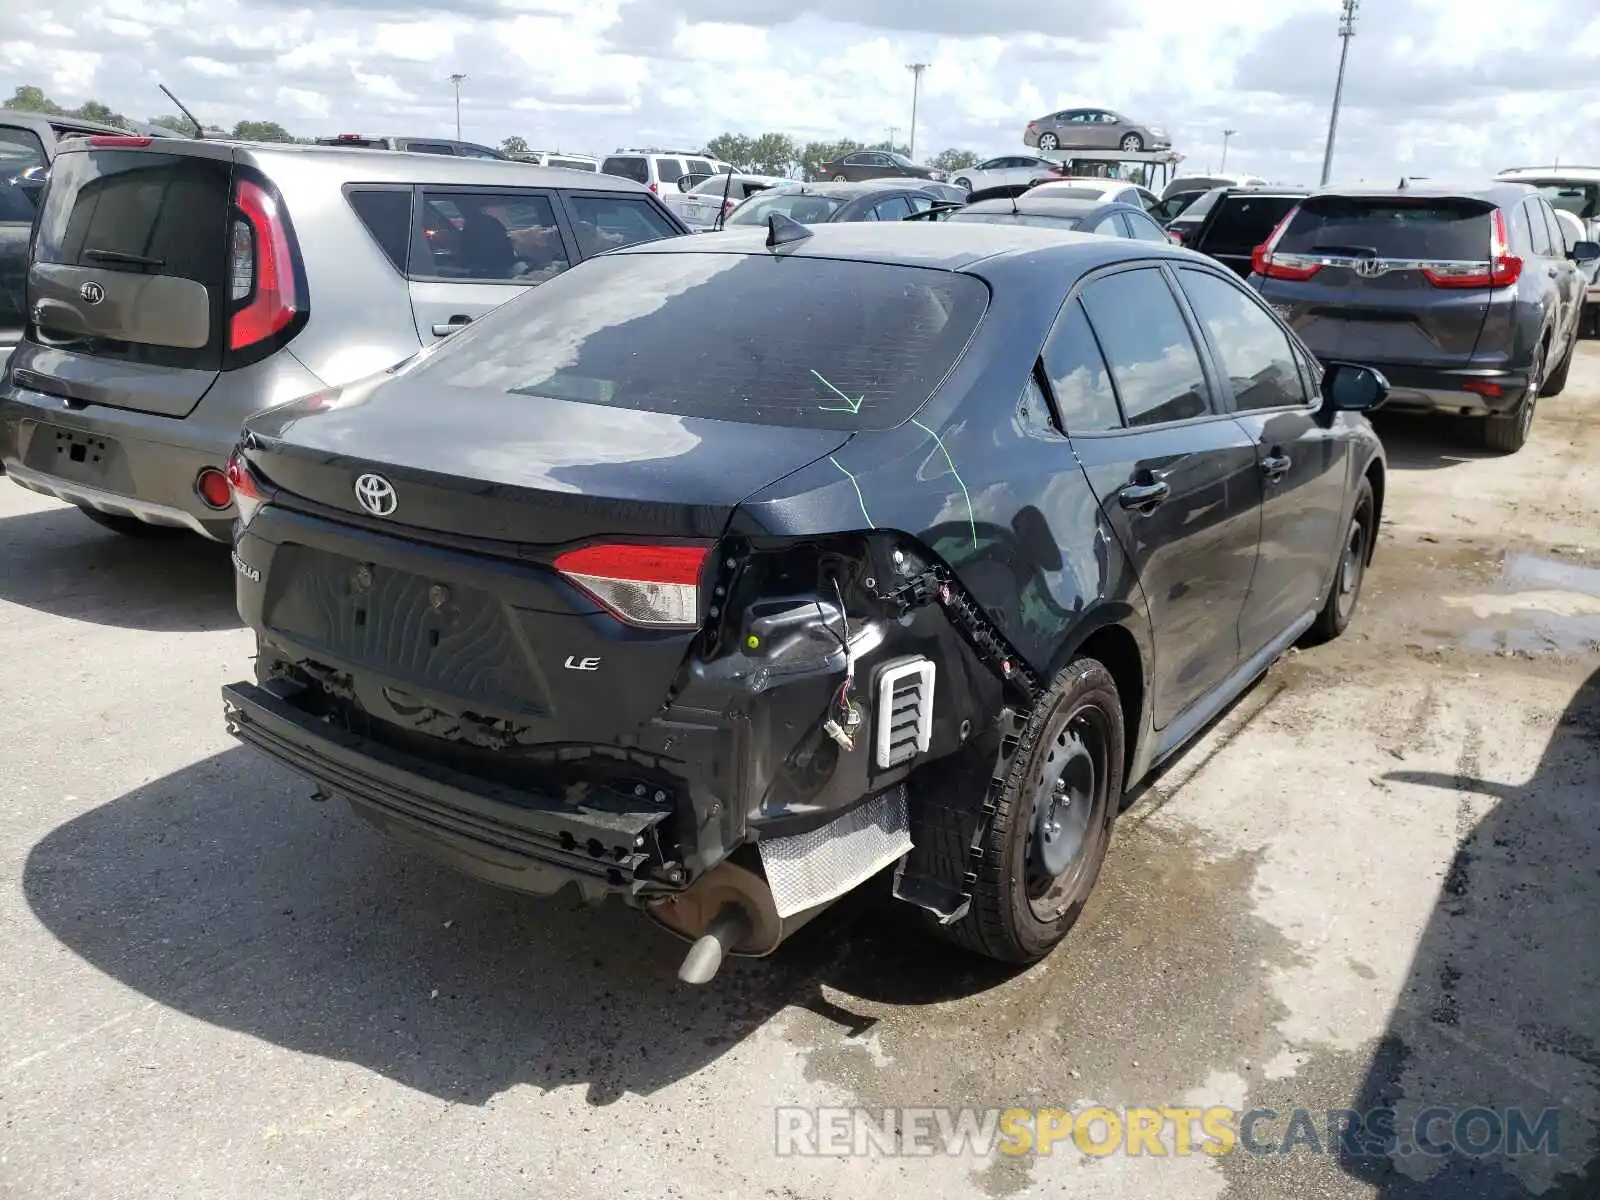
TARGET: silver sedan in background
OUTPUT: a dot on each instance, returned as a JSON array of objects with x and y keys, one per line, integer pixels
[{"x": 1094, "y": 129}]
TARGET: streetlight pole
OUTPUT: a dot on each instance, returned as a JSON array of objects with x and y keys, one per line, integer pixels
[
  {"x": 916, "y": 69},
  {"x": 1347, "y": 30},
  {"x": 893, "y": 129},
  {"x": 456, "y": 80},
  {"x": 1226, "y": 134}
]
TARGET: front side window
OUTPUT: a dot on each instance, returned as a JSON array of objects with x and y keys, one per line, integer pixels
[
  {"x": 497, "y": 237},
  {"x": 1250, "y": 346},
  {"x": 894, "y": 208},
  {"x": 1147, "y": 345}
]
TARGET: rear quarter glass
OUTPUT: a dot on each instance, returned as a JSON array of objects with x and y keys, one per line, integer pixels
[
  {"x": 808, "y": 342},
  {"x": 1424, "y": 228},
  {"x": 132, "y": 215},
  {"x": 627, "y": 167}
]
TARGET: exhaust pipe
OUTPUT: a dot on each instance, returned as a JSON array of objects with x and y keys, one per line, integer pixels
[{"x": 729, "y": 910}]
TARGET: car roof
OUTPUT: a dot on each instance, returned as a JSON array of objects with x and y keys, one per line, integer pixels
[
  {"x": 14, "y": 116},
  {"x": 859, "y": 187},
  {"x": 1494, "y": 193},
  {"x": 933, "y": 244},
  {"x": 388, "y": 166},
  {"x": 1575, "y": 173}
]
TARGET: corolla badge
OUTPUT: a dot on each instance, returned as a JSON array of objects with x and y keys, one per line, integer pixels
[
  {"x": 377, "y": 495},
  {"x": 92, "y": 292}
]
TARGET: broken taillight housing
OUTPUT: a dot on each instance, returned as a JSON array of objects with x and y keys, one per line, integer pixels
[
  {"x": 248, "y": 494},
  {"x": 648, "y": 585}
]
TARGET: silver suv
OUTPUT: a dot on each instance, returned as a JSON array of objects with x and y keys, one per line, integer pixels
[
  {"x": 177, "y": 287},
  {"x": 660, "y": 170}
]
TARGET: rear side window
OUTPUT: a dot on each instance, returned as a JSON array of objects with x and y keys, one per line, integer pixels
[
  {"x": 811, "y": 342},
  {"x": 490, "y": 237},
  {"x": 894, "y": 208},
  {"x": 602, "y": 223},
  {"x": 669, "y": 170},
  {"x": 1241, "y": 223},
  {"x": 1143, "y": 229},
  {"x": 386, "y": 212},
  {"x": 699, "y": 166},
  {"x": 1423, "y": 228},
  {"x": 628, "y": 167},
  {"x": 1085, "y": 401},
  {"x": 123, "y": 212},
  {"x": 1540, "y": 231},
  {"x": 1153, "y": 360},
  {"x": 1253, "y": 350}
]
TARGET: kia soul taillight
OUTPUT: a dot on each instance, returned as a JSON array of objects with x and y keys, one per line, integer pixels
[{"x": 264, "y": 296}]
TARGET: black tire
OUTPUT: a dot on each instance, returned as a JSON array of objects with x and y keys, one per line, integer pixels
[
  {"x": 1557, "y": 383},
  {"x": 1509, "y": 433},
  {"x": 1132, "y": 144},
  {"x": 1349, "y": 573},
  {"x": 1025, "y": 899},
  {"x": 1049, "y": 141},
  {"x": 132, "y": 526}
]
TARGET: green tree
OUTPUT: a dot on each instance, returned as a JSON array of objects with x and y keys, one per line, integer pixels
[
  {"x": 889, "y": 147},
  {"x": 815, "y": 154},
  {"x": 28, "y": 98},
  {"x": 93, "y": 110},
  {"x": 261, "y": 131},
  {"x": 732, "y": 148},
  {"x": 953, "y": 160},
  {"x": 513, "y": 145},
  {"x": 773, "y": 154},
  {"x": 177, "y": 124}
]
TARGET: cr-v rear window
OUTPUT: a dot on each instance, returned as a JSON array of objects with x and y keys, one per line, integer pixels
[
  {"x": 811, "y": 342},
  {"x": 1424, "y": 228},
  {"x": 141, "y": 214}
]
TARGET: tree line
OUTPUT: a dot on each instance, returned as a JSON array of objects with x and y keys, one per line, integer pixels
[{"x": 766, "y": 154}]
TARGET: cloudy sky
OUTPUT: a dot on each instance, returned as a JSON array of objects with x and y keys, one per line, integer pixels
[{"x": 1435, "y": 87}]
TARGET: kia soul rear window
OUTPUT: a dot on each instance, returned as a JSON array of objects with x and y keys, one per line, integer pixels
[
  {"x": 1437, "y": 229},
  {"x": 809, "y": 342}
]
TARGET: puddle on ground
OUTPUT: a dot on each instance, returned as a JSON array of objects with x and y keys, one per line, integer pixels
[{"x": 1515, "y": 603}]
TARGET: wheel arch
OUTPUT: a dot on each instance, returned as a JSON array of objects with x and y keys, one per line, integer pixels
[{"x": 1115, "y": 646}]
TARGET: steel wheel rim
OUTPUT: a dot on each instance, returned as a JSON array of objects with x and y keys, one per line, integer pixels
[
  {"x": 1068, "y": 790},
  {"x": 1352, "y": 565}
]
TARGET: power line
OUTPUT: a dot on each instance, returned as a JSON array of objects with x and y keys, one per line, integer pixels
[{"x": 1347, "y": 30}]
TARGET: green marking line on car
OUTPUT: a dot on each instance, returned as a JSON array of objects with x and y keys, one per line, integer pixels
[
  {"x": 860, "y": 499},
  {"x": 972, "y": 520},
  {"x": 853, "y": 406}
]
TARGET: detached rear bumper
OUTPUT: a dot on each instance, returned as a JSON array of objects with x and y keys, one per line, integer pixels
[{"x": 517, "y": 839}]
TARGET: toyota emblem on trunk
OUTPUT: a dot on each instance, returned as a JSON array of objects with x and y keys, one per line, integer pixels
[
  {"x": 92, "y": 292},
  {"x": 376, "y": 495}
]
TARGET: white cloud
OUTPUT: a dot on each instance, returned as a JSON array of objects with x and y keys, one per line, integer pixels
[{"x": 1425, "y": 93}]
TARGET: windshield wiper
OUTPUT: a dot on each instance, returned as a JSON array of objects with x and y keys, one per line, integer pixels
[{"x": 124, "y": 256}]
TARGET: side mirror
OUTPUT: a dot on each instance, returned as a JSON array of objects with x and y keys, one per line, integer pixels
[
  {"x": 1351, "y": 387},
  {"x": 1584, "y": 252}
]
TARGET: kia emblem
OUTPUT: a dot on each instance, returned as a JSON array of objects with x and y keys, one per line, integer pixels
[
  {"x": 377, "y": 495},
  {"x": 92, "y": 292}
]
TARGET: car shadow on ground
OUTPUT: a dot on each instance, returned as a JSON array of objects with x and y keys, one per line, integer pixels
[
  {"x": 223, "y": 892},
  {"x": 57, "y": 561},
  {"x": 1502, "y": 1006},
  {"x": 1414, "y": 442}
]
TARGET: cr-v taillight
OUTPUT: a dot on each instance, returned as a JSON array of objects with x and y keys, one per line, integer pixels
[
  {"x": 653, "y": 586},
  {"x": 261, "y": 276},
  {"x": 1268, "y": 264},
  {"x": 1502, "y": 270}
]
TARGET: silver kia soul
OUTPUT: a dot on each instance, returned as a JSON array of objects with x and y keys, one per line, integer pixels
[{"x": 176, "y": 288}]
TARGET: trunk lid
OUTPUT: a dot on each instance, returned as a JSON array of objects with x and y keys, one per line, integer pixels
[
  {"x": 127, "y": 284},
  {"x": 1372, "y": 297}
]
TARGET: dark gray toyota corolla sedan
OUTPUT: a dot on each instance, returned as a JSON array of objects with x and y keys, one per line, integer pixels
[{"x": 725, "y": 572}]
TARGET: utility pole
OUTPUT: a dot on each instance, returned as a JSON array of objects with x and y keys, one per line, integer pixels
[
  {"x": 1347, "y": 30},
  {"x": 916, "y": 69},
  {"x": 893, "y": 130},
  {"x": 1226, "y": 134},
  {"x": 456, "y": 80}
]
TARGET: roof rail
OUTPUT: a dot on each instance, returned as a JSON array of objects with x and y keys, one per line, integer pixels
[{"x": 1551, "y": 167}]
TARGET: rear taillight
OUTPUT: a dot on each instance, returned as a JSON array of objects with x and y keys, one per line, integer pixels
[
  {"x": 654, "y": 586},
  {"x": 655, "y": 187},
  {"x": 1174, "y": 237},
  {"x": 248, "y": 494},
  {"x": 117, "y": 141},
  {"x": 261, "y": 268},
  {"x": 1502, "y": 270},
  {"x": 1264, "y": 261}
]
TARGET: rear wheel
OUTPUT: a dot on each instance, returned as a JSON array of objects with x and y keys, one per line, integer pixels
[
  {"x": 1048, "y": 837},
  {"x": 1509, "y": 433},
  {"x": 1049, "y": 141},
  {"x": 131, "y": 526},
  {"x": 840, "y": 179},
  {"x": 1132, "y": 144},
  {"x": 1349, "y": 572}
]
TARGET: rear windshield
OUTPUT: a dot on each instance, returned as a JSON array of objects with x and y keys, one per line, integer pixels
[
  {"x": 810, "y": 342},
  {"x": 635, "y": 169},
  {"x": 1039, "y": 220},
  {"x": 804, "y": 207},
  {"x": 1390, "y": 228},
  {"x": 1241, "y": 223},
  {"x": 124, "y": 212}
]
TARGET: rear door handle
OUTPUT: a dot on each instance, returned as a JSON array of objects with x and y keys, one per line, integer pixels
[
  {"x": 1145, "y": 497},
  {"x": 1276, "y": 466},
  {"x": 446, "y": 328}
]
